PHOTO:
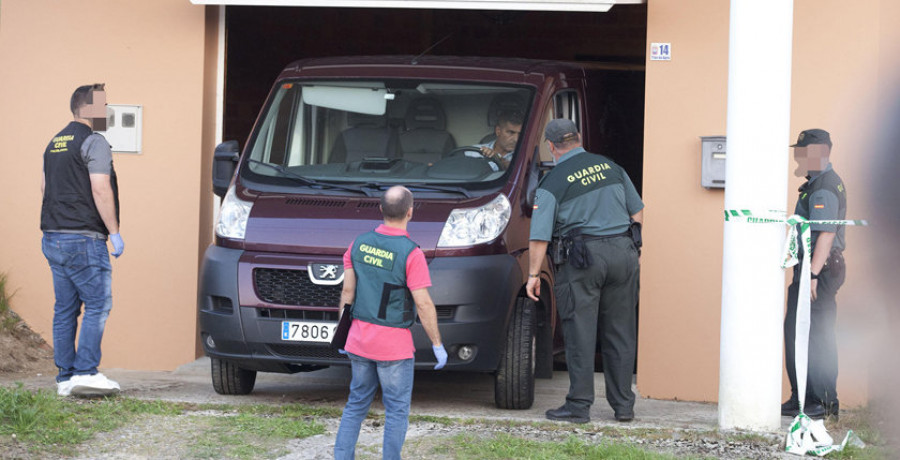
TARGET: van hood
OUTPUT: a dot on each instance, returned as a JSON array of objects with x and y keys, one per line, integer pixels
[{"x": 328, "y": 225}]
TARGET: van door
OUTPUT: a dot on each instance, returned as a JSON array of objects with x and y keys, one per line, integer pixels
[{"x": 566, "y": 104}]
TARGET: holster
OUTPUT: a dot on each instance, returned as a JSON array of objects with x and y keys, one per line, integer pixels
[
  {"x": 559, "y": 250},
  {"x": 635, "y": 229},
  {"x": 579, "y": 256},
  {"x": 835, "y": 260}
]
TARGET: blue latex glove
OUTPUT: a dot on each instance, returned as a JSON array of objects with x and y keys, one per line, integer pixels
[
  {"x": 342, "y": 351},
  {"x": 441, "y": 354},
  {"x": 118, "y": 244}
]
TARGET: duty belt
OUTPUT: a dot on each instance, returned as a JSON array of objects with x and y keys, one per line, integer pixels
[
  {"x": 570, "y": 247},
  {"x": 605, "y": 237}
]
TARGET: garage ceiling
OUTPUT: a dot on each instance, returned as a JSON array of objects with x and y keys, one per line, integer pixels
[{"x": 525, "y": 5}]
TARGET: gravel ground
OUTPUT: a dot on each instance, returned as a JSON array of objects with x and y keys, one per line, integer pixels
[{"x": 177, "y": 437}]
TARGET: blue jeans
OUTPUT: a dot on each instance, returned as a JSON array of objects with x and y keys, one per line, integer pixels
[
  {"x": 81, "y": 275},
  {"x": 396, "y": 378}
]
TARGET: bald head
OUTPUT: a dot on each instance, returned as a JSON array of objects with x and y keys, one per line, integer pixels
[{"x": 396, "y": 203}]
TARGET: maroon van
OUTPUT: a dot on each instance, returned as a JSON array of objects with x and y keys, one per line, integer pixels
[{"x": 334, "y": 134}]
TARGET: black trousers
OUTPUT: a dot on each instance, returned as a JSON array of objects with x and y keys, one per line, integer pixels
[
  {"x": 606, "y": 292},
  {"x": 821, "y": 381}
]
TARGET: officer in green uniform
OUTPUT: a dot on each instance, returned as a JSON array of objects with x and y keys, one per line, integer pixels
[
  {"x": 822, "y": 197},
  {"x": 589, "y": 202}
]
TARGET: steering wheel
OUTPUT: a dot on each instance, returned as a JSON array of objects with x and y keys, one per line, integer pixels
[{"x": 461, "y": 152}]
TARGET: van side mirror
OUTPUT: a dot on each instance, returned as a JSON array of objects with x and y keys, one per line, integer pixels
[{"x": 225, "y": 161}]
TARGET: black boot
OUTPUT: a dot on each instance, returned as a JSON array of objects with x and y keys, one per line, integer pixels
[
  {"x": 815, "y": 410},
  {"x": 566, "y": 414},
  {"x": 790, "y": 408},
  {"x": 832, "y": 408}
]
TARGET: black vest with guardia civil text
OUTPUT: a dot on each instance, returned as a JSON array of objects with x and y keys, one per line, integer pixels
[{"x": 68, "y": 199}]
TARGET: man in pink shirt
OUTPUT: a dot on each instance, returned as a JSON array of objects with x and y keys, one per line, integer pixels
[{"x": 384, "y": 274}]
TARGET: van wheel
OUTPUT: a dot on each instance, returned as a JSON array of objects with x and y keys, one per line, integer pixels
[
  {"x": 514, "y": 381},
  {"x": 229, "y": 379}
]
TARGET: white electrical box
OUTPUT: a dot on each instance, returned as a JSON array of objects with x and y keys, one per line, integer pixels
[
  {"x": 123, "y": 127},
  {"x": 712, "y": 161}
]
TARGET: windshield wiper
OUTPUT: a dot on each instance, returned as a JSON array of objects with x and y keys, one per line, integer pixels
[
  {"x": 441, "y": 188},
  {"x": 310, "y": 182}
]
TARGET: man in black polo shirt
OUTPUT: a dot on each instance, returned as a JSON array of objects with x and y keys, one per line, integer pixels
[
  {"x": 591, "y": 201},
  {"x": 822, "y": 197}
]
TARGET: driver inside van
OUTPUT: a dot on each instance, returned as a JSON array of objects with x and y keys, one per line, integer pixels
[{"x": 500, "y": 151}]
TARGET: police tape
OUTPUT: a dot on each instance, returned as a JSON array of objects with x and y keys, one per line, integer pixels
[
  {"x": 791, "y": 256},
  {"x": 805, "y": 435},
  {"x": 809, "y": 437}
]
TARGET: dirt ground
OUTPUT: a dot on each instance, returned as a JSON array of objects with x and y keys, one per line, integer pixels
[{"x": 22, "y": 351}]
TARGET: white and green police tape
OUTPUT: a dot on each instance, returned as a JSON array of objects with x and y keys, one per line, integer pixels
[
  {"x": 808, "y": 436},
  {"x": 805, "y": 436}
]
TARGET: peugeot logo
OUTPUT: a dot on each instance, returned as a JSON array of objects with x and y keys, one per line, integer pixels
[
  {"x": 326, "y": 274},
  {"x": 328, "y": 271}
]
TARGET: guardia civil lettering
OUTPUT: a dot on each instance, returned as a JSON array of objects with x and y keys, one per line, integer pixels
[
  {"x": 376, "y": 251},
  {"x": 590, "y": 174}
]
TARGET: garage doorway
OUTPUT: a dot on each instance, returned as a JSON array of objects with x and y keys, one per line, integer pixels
[{"x": 261, "y": 41}]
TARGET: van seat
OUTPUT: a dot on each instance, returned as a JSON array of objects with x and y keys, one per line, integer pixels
[
  {"x": 426, "y": 139},
  {"x": 367, "y": 136}
]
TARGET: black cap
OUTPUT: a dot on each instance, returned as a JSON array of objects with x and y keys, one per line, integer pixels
[
  {"x": 561, "y": 130},
  {"x": 813, "y": 136}
]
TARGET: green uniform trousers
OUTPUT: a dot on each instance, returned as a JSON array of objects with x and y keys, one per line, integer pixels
[{"x": 608, "y": 291}]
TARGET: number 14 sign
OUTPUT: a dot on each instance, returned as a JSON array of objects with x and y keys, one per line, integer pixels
[{"x": 660, "y": 51}]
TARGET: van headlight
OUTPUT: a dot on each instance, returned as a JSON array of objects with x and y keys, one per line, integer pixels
[
  {"x": 233, "y": 216},
  {"x": 466, "y": 227}
]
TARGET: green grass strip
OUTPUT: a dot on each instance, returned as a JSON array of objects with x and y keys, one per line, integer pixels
[{"x": 504, "y": 446}]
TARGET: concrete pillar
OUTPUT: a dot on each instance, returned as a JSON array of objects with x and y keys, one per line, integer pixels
[{"x": 759, "y": 96}]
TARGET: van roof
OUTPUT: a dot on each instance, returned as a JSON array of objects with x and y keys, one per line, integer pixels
[{"x": 508, "y": 69}]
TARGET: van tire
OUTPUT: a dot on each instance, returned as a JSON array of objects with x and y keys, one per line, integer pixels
[
  {"x": 514, "y": 380},
  {"x": 229, "y": 379}
]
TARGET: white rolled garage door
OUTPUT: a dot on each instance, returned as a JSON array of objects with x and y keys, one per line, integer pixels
[{"x": 529, "y": 5}]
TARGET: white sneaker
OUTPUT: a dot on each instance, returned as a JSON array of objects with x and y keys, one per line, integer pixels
[
  {"x": 64, "y": 388},
  {"x": 93, "y": 385}
]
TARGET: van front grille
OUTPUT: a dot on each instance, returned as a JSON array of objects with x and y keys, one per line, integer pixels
[
  {"x": 293, "y": 287},
  {"x": 306, "y": 315},
  {"x": 305, "y": 351}
]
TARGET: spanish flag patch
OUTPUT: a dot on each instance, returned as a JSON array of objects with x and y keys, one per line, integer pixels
[{"x": 819, "y": 206}]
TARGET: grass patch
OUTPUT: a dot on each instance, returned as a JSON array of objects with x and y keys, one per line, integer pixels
[
  {"x": 8, "y": 319},
  {"x": 504, "y": 446},
  {"x": 863, "y": 422},
  {"x": 44, "y": 422},
  {"x": 290, "y": 410},
  {"x": 248, "y": 435}
]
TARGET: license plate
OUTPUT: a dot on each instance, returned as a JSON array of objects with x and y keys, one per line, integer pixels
[{"x": 307, "y": 331}]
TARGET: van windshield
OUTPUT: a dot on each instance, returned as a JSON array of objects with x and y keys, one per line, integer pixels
[{"x": 388, "y": 132}]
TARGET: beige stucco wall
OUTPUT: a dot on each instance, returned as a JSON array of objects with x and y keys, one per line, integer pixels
[
  {"x": 148, "y": 53},
  {"x": 841, "y": 60}
]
